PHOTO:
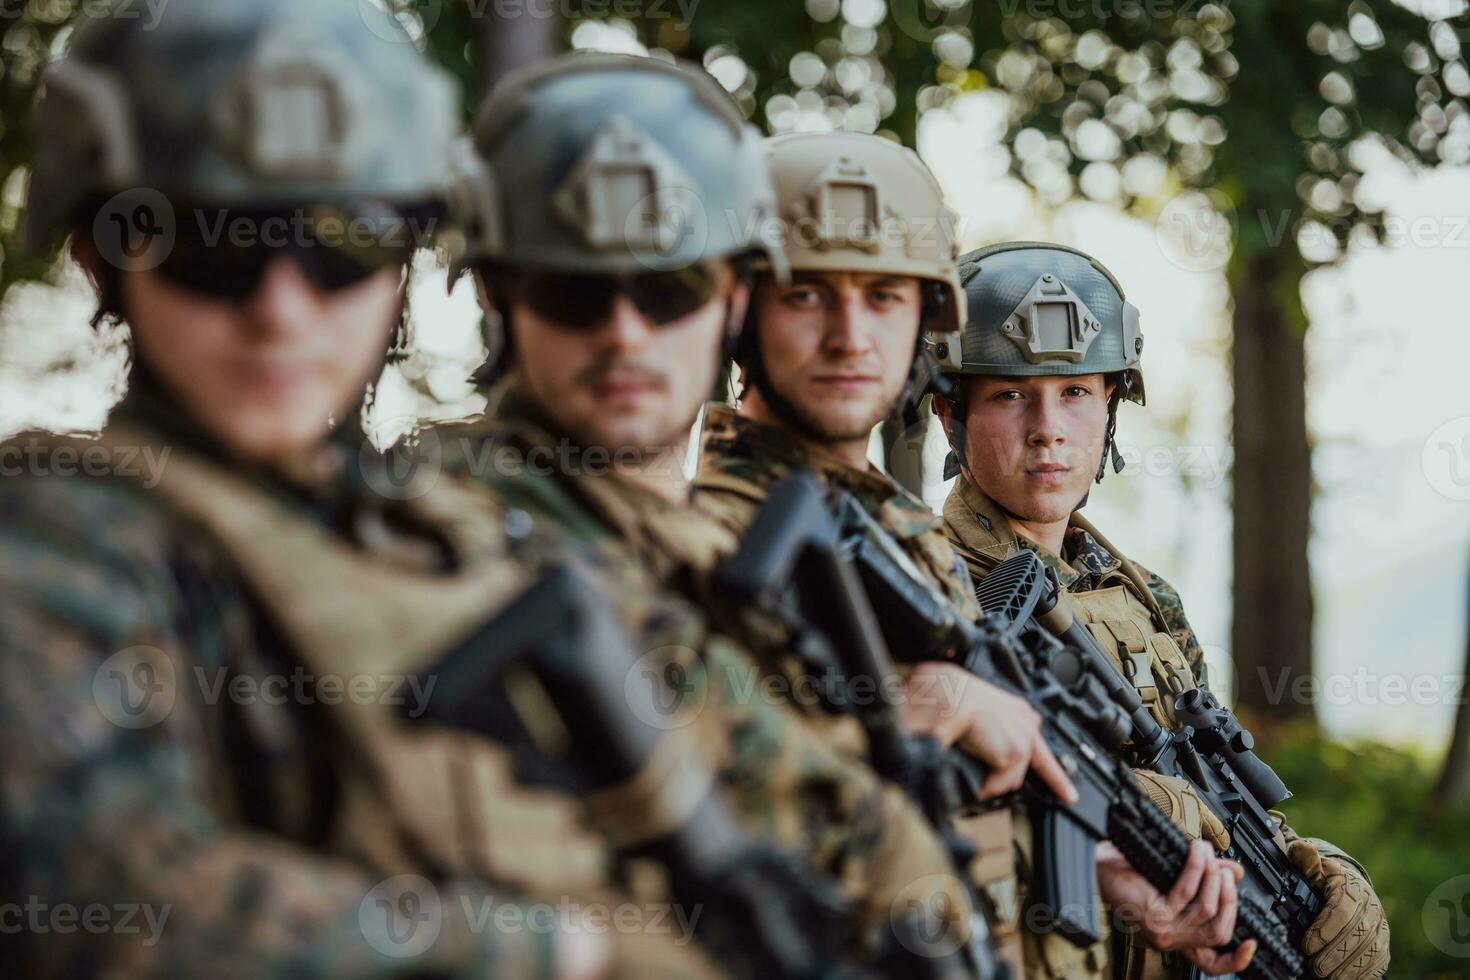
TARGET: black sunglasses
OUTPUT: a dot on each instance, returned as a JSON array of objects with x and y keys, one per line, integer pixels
[
  {"x": 581, "y": 301},
  {"x": 225, "y": 252}
]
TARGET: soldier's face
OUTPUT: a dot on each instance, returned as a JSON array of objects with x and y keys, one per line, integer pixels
[
  {"x": 264, "y": 375},
  {"x": 1033, "y": 444},
  {"x": 624, "y": 380},
  {"x": 838, "y": 346}
]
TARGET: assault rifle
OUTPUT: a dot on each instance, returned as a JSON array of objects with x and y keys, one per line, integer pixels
[
  {"x": 555, "y": 679},
  {"x": 884, "y": 604},
  {"x": 1028, "y": 641},
  {"x": 788, "y": 567}
]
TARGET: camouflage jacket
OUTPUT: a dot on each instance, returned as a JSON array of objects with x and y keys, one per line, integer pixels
[
  {"x": 784, "y": 778},
  {"x": 740, "y": 461},
  {"x": 168, "y": 814},
  {"x": 983, "y": 537},
  {"x": 980, "y": 533}
]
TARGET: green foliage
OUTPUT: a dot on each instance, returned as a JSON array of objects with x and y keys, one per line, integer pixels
[{"x": 1372, "y": 801}]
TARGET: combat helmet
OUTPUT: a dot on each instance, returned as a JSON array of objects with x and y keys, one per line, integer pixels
[
  {"x": 270, "y": 102},
  {"x": 608, "y": 165},
  {"x": 1040, "y": 309},
  {"x": 612, "y": 164},
  {"x": 853, "y": 202}
]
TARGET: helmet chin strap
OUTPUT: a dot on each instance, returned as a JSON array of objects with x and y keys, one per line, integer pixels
[{"x": 1110, "y": 444}]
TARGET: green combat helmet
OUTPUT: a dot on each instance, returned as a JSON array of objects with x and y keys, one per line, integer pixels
[
  {"x": 615, "y": 166},
  {"x": 224, "y": 103},
  {"x": 1038, "y": 309}
]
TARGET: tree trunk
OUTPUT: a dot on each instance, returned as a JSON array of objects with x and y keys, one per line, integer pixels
[
  {"x": 1453, "y": 785},
  {"x": 1271, "y": 633}
]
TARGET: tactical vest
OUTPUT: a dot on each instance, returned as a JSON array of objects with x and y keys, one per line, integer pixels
[
  {"x": 734, "y": 500},
  {"x": 1126, "y": 621},
  {"x": 433, "y": 801}
]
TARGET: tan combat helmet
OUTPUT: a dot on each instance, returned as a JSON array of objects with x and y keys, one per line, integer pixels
[{"x": 851, "y": 202}]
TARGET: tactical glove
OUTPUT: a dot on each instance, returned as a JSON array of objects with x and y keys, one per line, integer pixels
[
  {"x": 1349, "y": 939},
  {"x": 1182, "y": 805}
]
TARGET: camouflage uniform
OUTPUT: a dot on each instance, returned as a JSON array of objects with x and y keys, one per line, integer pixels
[
  {"x": 841, "y": 817},
  {"x": 1043, "y": 310},
  {"x": 119, "y": 789},
  {"x": 185, "y": 639},
  {"x": 982, "y": 537},
  {"x": 741, "y": 460}
]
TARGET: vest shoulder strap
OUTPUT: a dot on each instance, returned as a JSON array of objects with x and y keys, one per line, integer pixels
[{"x": 1129, "y": 570}]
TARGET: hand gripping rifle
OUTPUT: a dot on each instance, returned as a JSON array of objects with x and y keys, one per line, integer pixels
[
  {"x": 554, "y": 678},
  {"x": 789, "y": 567},
  {"x": 1028, "y": 642}
]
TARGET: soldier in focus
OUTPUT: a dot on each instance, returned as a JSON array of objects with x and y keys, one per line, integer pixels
[
  {"x": 824, "y": 359},
  {"x": 1051, "y": 350}
]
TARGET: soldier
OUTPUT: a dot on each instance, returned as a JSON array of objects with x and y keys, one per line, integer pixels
[
  {"x": 824, "y": 359},
  {"x": 210, "y": 619},
  {"x": 611, "y": 206},
  {"x": 1051, "y": 349}
]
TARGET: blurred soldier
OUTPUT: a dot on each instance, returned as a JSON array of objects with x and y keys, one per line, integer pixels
[
  {"x": 210, "y": 630},
  {"x": 612, "y": 206},
  {"x": 824, "y": 359},
  {"x": 1051, "y": 349}
]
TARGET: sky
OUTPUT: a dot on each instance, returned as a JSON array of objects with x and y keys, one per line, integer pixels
[{"x": 1387, "y": 397}]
